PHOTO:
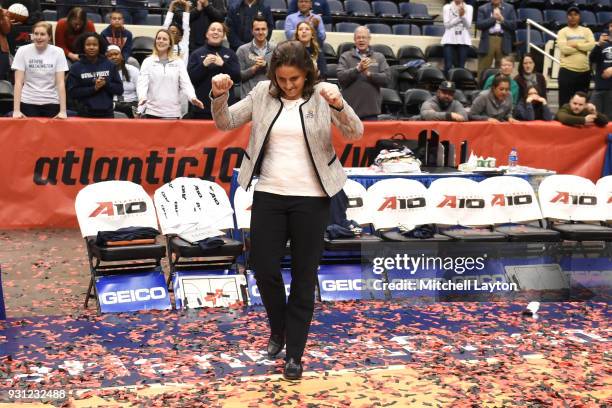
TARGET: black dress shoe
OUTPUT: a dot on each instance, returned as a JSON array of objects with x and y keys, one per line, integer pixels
[
  {"x": 275, "y": 345},
  {"x": 293, "y": 369}
]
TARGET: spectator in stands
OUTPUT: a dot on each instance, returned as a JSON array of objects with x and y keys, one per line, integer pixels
[
  {"x": 240, "y": 20},
  {"x": 320, "y": 7},
  {"x": 163, "y": 80},
  {"x": 601, "y": 59},
  {"x": 179, "y": 29},
  {"x": 128, "y": 102},
  {"x": 575, "y": 42},
  {"x": 456, "y": 39},
  {"x": 495, "y": 104},
  {"x": 93, "y": 81},
  {"x": 69, "y": 28},
  {"x": 532, "y": 107},
  {"x": 33, "y": 6},
  {"x": 305, "y": 33},
  {"x": 298, "y": 174},
  {"x": 64, "y": 6},
  {"x": 204, "y": 12},
  {"x": 497, "y": 22},
  {"x": 117, "y": 34},
  {"x": 208, "y": 61},
  {"x": 527, "y": 77},
  {"x": 254, "y": 57},
  {"x": 39, "y": 77},
  {"x": 578, "y": 112},
  {"x": 361, "y": 74},
  {"x": 506, "y": 69},
  {"x": 443, "y": 106},
  {"x": 134, "y": 11},
  {"x": 5, "y": 29},
  {"x": 305, "y": 14}
]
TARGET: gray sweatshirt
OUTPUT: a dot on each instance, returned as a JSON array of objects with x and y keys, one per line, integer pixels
[
  {"x": 486, "y": 106},
  {"x": 247, "y": 53},
  {"x": 431, "y": 110},
  {"x": 359, "y": 90}
]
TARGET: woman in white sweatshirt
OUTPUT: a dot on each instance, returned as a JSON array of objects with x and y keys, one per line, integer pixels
[{"x": 163, "y": 78}]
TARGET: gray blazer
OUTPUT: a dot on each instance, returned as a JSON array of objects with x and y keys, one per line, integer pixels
[{"x": 261, "y": 109}]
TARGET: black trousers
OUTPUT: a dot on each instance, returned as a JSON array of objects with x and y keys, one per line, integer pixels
[
  {"x": 571, "y": 82},
  {"x": 44, "y": 111},
  {"x": 274, "y": 220}
]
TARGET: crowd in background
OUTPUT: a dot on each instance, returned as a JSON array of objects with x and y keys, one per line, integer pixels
[{"x": 75, "y": 71}]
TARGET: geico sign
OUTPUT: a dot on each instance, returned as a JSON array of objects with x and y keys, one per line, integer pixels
[
  {"x": 564, "y": 197},
  {"x": 111, "y": 209},
  {"x": 395, "y": 203},
  {"x": 133, "y": 295},
  {"x": 342, "y": 285}
]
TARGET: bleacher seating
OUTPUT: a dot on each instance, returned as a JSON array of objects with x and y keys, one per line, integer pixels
[
  {"x": 379, "y": 28},
  {"x": 386, "y": 9},
  {"x": 277, "y": 6},
  {"x": 408, "y": 53},
  {"x": 406, "y": 29},
  {"x": 279, "y": 24},
  {"x": 433, "y": 30},
  {"x": 336, "y": 8},
  {"x": 358, "y": 8},
  {"x": 386, "y": 51},
  {"x": 522, "y": 14},
  {"x": 346, "y": 27}
]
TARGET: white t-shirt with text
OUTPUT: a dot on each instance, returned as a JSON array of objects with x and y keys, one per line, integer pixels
[{"x": 39, "y": 69}]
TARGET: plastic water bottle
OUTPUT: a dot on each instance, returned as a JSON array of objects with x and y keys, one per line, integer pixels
[{"x": 513, "y": 158}]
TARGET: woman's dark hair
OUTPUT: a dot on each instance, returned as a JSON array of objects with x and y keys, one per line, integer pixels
[
  {"x": 76, "y": 13},
  {"x": 529, "y": 88},
  {"x": 292, "y": 53},
  {"x": 498, "y": 79},
  {"x": 520, "y": 67},
  {"x": 79, "y": 44}
]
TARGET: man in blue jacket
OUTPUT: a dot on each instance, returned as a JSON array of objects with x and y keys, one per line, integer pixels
[
  {"x": 497, "y": 22},
  {"x": 240, "y": 20},
  {"x": 208, "y": 61}
]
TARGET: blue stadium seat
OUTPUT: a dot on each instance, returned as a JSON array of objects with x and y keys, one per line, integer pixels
[
  {"x": 433, "y": 30},
  {"x": 343, "y": 47},
  {"x": 602, "y": 5},
  {"x": 406, "y": 29},
  {"x": 604, "y": 17},
  {"x": 588, "y": 19},
  {"x": 94, "y": 17},
  {"x": 336, "y": 8},
  {"x": 555, "y": 19},
  {"x": 521, "y": 38},
  {"x": 277, "y": 6},
  {"x": 385, "y": 9},
  {"x": 523, "y": 14},
  {"x": 330, "y": 54},
  {"x": 415, "y": 10},
  {"x": 329, "y": 28},
  {"x": 279, "y": 24},
  {"x": 49, "y": 15},
  {"x": 358, "y": 8},
  {"x": 379, "y": 28},
  {"x": 346, "y": 27},
  {"x": 154, "y": 20}
]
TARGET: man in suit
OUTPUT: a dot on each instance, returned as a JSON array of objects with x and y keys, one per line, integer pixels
[{"x": 496, "y": 21}]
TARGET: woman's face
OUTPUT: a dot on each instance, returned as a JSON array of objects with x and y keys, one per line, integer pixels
[
  {"x": 114, "y": 56},
  {"x": 291, "y": 81},
  {"x": 304, "y": 34},
  {"x": 40, "y": 37},
  {"x": 532, "y": 92},
  {"x": 92, "y": 47},
  {"x": 528, "y": 65},
  {"x": 162, "y": 42},
  {"x": 76, "y": 24},
  {"x": 176, "y": 34},
  {"x": 502, "y": 91},
  {"x": 215, "y": 34}
]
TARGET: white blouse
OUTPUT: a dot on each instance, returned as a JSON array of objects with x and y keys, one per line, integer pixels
[{"x": 457, "y": 27}]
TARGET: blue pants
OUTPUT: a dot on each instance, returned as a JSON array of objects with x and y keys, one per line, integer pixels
[{"x": 455, "y": 56}]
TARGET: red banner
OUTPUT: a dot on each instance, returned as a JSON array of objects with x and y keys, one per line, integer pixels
[{"x": 46, "y": 162}]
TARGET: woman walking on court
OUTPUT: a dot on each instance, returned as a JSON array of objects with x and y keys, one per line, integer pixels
[{"x": 290, "y": 148}]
